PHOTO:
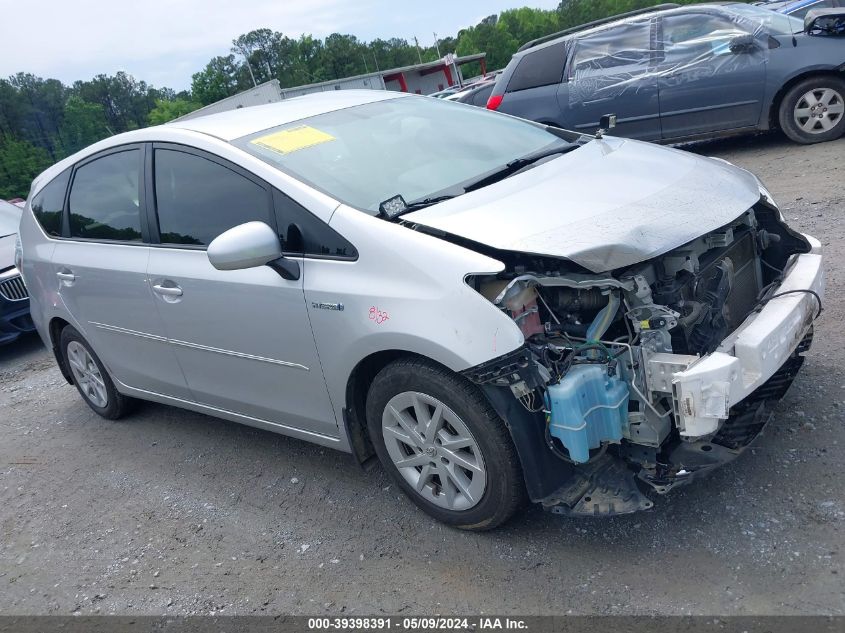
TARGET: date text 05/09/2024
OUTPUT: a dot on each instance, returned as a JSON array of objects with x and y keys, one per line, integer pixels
[{"x": 416, "y": 624}]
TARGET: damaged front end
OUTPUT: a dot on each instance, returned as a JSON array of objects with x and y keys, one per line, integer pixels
[{"x": 645, "y": 377}]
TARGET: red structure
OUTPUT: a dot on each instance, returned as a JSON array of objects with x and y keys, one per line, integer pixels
[{"x": 423, "y": 78}]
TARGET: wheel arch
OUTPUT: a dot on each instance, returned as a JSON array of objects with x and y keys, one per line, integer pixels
[
  {"x": 774, "y": 109},
  {"x": 543, "y": 473},
  {"x": 55, "y": 327},
  {"x": 355, "y": 399}
]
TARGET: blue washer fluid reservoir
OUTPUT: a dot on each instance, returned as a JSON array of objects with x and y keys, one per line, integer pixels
[{"x": 587, "y": 407}]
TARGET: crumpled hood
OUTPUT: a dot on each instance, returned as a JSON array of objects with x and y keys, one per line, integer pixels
[{"x": 609, "y": 204}]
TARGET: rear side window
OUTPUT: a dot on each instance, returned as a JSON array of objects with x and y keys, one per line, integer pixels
[
  {"x": 48, "y": 205},
  {"x": 623, "y": 46},
  {"x": 304, "y": 233},
  {"x": 198, "y": 199},
  {"x": 482, "y": 94},
  {"x": 104, "y": 198},
  {"x": 539, "y": 68}
]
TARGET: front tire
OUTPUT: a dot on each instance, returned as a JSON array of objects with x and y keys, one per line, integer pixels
[
  {"x": 813, "y": 111},
  {"x": 444, "y": 445},
  {"x": 91, "y": 378}
]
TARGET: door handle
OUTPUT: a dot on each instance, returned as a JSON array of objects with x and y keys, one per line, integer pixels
[
  {"x": 169, "y": 291},
  {"x": 66, "y": 276}
]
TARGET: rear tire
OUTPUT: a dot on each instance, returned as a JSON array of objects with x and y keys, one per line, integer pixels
[
  {"x": 91, "y": 378},
  {"x": 444, "y": 445},
  {"x": 813, "y": 110}
]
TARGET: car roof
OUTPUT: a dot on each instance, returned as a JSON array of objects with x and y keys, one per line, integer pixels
[
  {"x": 10, "y": 217},
  {"x": 234, "y": 124},
  {"x": 777, "y": 5}
]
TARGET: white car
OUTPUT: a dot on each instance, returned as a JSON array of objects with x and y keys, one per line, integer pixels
[{"x": 496, "y": 309}]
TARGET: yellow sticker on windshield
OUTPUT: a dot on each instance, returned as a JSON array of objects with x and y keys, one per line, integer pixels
[{"x": 293, "y": 139}]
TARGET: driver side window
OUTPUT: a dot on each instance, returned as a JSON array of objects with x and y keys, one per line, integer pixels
[{"x": 698, "y": 36}]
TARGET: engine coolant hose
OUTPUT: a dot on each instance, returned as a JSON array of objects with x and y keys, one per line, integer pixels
[{"x": 604, "y": 318}]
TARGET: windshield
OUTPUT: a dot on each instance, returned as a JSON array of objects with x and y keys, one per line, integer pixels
[
  {"x": 775, "y": 23},
  {"x": 10, "y": 218},
  {"x": 414, "y": 147}
]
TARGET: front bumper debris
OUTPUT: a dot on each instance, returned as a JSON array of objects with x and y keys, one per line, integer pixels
[
  {"x": 604, "y": 487},
  {"x": 704, "y": 393}
]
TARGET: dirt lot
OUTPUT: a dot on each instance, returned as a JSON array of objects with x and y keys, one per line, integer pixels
[{"x": 174, "y": 512}]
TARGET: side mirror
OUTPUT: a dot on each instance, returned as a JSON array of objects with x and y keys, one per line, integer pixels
[
  {"x": 742, "y": 44},
  {"x": 825, "y": 22},
  {"x": 607, "y": 122},
  {"x": 251, "y": 245}
]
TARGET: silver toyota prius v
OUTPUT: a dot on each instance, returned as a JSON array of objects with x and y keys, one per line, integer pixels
[{"x": 495, "y": 309}]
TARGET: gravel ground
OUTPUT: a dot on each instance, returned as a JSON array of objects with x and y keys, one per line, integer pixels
[{"x": 171, "y": 512}]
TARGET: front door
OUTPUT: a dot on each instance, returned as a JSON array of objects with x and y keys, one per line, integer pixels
[
  {"x": 610, "y": 72},
  {"x": 101, "y": 270},
  {"x": 242, "y": 337},
  {"x": 711, "y": 74}
]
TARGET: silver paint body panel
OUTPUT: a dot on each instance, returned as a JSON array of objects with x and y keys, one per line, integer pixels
[{"x": 249, "y": 346}]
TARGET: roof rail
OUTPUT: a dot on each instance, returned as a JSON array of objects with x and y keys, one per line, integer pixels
[{"x": 589, "y": 25}]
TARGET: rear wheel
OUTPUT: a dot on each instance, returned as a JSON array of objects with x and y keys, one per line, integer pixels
[
  {"x": 813, "y": 110},
  {"x": 444, "y": 445},
  {"x": 91, "y": 378}
]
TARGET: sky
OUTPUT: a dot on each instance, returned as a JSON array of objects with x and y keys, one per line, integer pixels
[{"x": 164, "y": 42}]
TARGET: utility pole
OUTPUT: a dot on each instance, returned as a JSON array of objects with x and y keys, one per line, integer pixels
[
  {"x": 364, "y": 59},
  {"x": 437, "y": 45},
  {"x": 248, "y": 65},
  {"x": 419, "y": 52}
]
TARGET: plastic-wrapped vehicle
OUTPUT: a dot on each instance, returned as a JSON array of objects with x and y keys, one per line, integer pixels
[
  {"x": 14, "y": 297},
  {"x": 519, "y": 312},
  {"x": 679, "y": 74}
]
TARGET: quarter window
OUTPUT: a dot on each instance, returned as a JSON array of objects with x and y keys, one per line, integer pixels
[
  {"x": 541, "y": 67},
  {"x": 303, "y": 232},
  {"x": 198, "y": 199},
  {"x": 49, "y": 204},
  {"x": 104, "y": 198}
]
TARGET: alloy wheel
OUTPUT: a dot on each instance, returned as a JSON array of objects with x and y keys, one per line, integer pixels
[
  {"x": 434, "y": 450},
  {"x": 819, "y": 110},
  {"x": 87, "y": 374}
]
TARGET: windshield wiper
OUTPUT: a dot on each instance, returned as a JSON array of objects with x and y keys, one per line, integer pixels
[
  {"x": 416, "y": 205},
  {"x": 519, "y": 163},
  {"x": 396, "y": 206}
]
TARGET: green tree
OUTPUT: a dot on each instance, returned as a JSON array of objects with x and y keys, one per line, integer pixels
[
  {"x": 20, "y": 162},
  {"x": 222, "y": 77},
  {"x": 168, "y": 110},
  {"x": 84, "y": 124}
]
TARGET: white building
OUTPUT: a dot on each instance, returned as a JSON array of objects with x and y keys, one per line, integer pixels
[{"x": 424, "y": 79}]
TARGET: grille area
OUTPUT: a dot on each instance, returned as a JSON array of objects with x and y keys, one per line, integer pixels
[
  {"x": 13, "y": 289},
  {"x": 746, "y": 281}
]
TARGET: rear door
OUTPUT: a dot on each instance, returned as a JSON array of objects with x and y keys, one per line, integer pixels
[
  {"x": 242, "y": 337},
  {"x": 100, "y": 272},
  {"x": 707, "y": 82},
  {"x": 611, "y": 72}
]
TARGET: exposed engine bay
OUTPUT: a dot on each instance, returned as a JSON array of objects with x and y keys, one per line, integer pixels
[{"x": 601, "y": 351}]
